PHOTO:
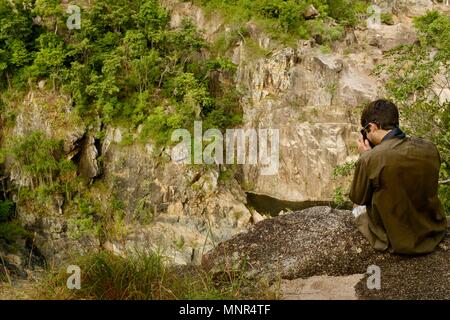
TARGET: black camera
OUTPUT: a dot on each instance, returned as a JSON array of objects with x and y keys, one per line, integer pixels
[{"x": 364, "y": 134}]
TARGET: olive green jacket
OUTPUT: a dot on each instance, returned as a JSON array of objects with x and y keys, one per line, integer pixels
[{"x": 398, "y": 182}]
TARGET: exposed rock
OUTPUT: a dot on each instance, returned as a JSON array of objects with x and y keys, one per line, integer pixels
[
  {"x": 302, "y": 244},
  {"x": 320, "y": 288},
  {"x": 256, "y": 217},
  {"x": 58, "y": 202},
  {"x": 88, "y": 166},
  {"x": 51, "y": 114},
  {"x": 310, "y": 12},
  {"x": 387, "y": 37},
  {"x": 18, "y": 260},
  {"x": 112, "y": 135},
  {"x": 412, "y": 278},
  {"x": 307, "y": 96},
  {"x": 412, "y": 8},
  {"x": 52, "y": 239},
  {"x": 41, "y": 84},
  {"x": 324, "y": 241},
  {"x": 177, "y": 209},
  {"x": 210, "y": 26}
]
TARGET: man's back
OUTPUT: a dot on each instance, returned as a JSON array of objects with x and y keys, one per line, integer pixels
[{"x": 398, "y": 182}]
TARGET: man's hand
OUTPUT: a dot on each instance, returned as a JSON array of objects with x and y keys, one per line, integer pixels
[{"x": 363, "y": 146}]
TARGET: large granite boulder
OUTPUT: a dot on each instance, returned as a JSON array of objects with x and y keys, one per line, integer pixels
[{"x": 325, "y": 241}]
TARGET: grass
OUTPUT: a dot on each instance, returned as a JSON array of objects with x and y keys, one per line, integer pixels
[
  {"x": 387, "y": 18},
  {"x": 146, "y": 276}
]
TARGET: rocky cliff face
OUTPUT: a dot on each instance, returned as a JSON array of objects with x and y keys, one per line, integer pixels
[
  {"x": 313, "y": 98},
  {"x": 189, "y": 209},
  {"x": 166, "y": 206},
  {"x": 309, "y": 95}
]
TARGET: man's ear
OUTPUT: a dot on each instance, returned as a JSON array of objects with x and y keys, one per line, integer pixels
[{"x": 374, "y": 127}]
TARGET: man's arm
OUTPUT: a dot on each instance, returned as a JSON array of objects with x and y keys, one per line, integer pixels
[{"x": 361, "y": 190}]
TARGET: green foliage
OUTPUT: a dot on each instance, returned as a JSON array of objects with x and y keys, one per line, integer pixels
[
  {"x": 17, "y": 34},
  {"x": 49, "y": 60},
  {"x": 346, "y": 11},
  {"x": 146, "y": 276},
  {"x": 434, "y": 30},
  {"x": 84, "y": 223},
  {"x": 125, "y": 65},
  {"x": 344, "y": 170},
  {"x": 417, "y": 74},
  {"x": 322, "y": 32},
  {"x": 40, "y": 159},
  {"x": 228, "y": 173},
  {"x": 10, "y": 230},
  {"x": 282, "y": 17},
  {"x": 444, "y": 195},
  {"x": 341, "y": 192},
  {"x": 6, "y": 210},
  {"x": 387, "y": 18},
  {"x": 339, "y": 196}
]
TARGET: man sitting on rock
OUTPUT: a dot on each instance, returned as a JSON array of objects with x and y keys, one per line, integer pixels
[{"x": 396, "y": 178}]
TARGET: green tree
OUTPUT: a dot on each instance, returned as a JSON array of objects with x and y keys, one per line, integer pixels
[
  {"x": 40, "y": 159},
  {"x": 16, "y": 38},
  {"x": 49, "y": 60},
  {"x": 418, "y": 74}
]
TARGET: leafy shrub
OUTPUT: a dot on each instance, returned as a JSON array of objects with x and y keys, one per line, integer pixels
[
  {"x": 125, "y": 63},
  {"x": 444, "y": 195},
  {"x": 342, "y": 190},
  {"x": 83, "y": 223},
  {"x": 40, "y": 159},
  {"x": 281, "y": 17},
  {"x": 344, "y": 170},
  {"x": 16, "y": 39},
  {"x": 387, "y": 18},
  {"x": 10, "y": 230},
  {"x": 6, "y": 209},
  {"x": 348, "y": 12},
  {"x": 322, "y": 32}
]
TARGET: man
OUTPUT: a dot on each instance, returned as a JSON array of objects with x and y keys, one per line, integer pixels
[{"x": 397, "y": 181}]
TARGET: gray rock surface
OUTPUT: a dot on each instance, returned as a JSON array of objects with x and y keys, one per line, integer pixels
[
  {"x": 310, "y": 12},
  {"x": 88, "y": 166}
]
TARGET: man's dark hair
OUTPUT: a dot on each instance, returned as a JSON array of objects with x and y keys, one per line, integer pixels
[{"x": 382, "y": 112}]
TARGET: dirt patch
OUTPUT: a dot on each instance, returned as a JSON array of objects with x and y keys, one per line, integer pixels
[{"x": 320, "y": 288}]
